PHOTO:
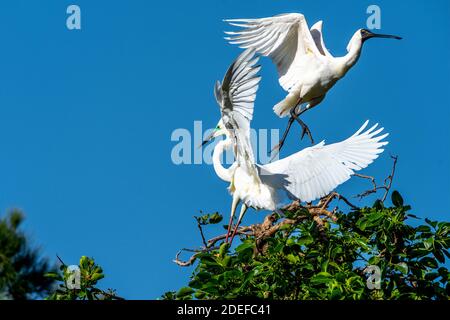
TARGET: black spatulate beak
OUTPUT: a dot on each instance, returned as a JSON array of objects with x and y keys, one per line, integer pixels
[
  {"x": 379, "y": 35},
  {"x": 367, "y": 34}
]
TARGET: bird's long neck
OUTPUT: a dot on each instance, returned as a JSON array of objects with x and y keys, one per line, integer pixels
[
  {"x": 223, "y": 173},
  {"x": 353, "y": 52}
]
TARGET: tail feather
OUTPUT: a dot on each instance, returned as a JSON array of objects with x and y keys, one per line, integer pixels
[{"x": 283, "y": 108}]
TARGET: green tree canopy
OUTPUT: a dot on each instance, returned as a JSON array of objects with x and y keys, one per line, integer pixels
[
  {"x": 85, "y": 287},
  {"x": 22, "y": 269},
  {"x": 298, "y": 256}
]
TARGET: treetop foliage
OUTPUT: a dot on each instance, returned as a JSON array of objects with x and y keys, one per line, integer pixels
[
  {"x": 333, "y": 260},
  {"x": 80, "y": 282},
  {"x": 22, "y": 268}
]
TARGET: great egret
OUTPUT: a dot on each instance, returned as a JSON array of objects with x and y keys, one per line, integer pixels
[
  {"x": 306, "y": 175},
  {"x": 305, "y": 67}
]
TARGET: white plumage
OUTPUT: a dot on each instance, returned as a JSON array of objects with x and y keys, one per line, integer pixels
[
  {"x": 316, "y": 171},
  {"x": 306, "y": 175},
  {"x": 306, "y": 69}
]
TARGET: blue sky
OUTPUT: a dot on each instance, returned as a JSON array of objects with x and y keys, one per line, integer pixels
[{"x": 86, "y": 118}]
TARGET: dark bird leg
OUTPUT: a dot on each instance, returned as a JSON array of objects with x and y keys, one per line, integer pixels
[
  {"x": 229, "y": 228},
  {"x": 281, "y": 143},
  {"x": 305, "y": 129},
  {"x": 241, "y": 215},
  {"x": 311, "y": 104},
  {"x": 234, "y": 204},
  {"x": 295, "y": 116}
]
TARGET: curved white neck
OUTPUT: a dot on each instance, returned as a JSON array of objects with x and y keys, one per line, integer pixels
[
  {"x": 223, "y": 173},
  {"x": 354, "y": 51}
]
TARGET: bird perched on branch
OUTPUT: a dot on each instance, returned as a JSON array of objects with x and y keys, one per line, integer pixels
[
  {"x": 306, "y": 175},
  {"x": 306, "y": 69}
]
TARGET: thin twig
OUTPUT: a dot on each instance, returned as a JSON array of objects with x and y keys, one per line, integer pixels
[
  {"x": 192, "y": 259},
  {"x": 201, "y": 231},
  {"x": 372, "y": 179},
  {"x": 184, "y": 263},
  {"x": 390, "y": 177},
  {"x": 335, "y": 195},
  {"x": 386, "y": 186},
  {"x": 61, "y": 261}
]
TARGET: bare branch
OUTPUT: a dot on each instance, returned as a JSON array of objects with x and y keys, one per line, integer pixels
[
  {"x": 386, "y": 186},
  {"x": 192, "y": 259},
  {"x": 334, "y": 195},
  {"x": 184, "y": 263},
  {"x": 372, "y": 179},
  {"x": 390, "y": 178}
]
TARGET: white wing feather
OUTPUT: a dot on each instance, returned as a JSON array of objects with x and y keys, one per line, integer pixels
[
  {"x": 316, "y": 171},
  {"x": 284, "y": 38},
  {"x": 236, "y": 96},
  {"x": 317, "y": 35}
]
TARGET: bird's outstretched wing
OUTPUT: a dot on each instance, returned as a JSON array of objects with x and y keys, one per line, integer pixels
[
  {"x": 284, "y": 38},
  {"x": 237, "y": 92},
  {"x": 316, "y": 171},
  {"x": 317, "y": 35},
  {"x": 236, "y": 96}
]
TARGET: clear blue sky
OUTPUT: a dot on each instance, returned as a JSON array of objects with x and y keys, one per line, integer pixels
[{"x": 86, "y": 118}]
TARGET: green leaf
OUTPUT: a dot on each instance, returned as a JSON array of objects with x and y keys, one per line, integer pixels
[
  {"x": 431, "y": 276},
  {"x": 402, "y": 267},
  {"x": 196, "y": 284},
  {"x": 362, "y": 243},
  {"x": 215, "y": 218},
  {"x": 431, "y": 223},
  {"x": 226, "y": 261},
  {"x": 53, "y": 275},
  {"x": 423, "y": 229},
  {"x": 321, "y": 277},
  {"x": 378, "y": 204},
  {"x": 245, "y": 246},
  {"x": 428, "y": 243},
  {"x": 223, "y": 249},
  {"x": 285, "y": 227},
  {"x": 374, "y": 260},
  {"x": 397, "y": 199},
  {"x": 362, "y": 223},
  {"x": 199, "y": 295},
  {"x": 415, "y": 253},
  {"x": 84, "y": 261},
  {"x": 305, "y": 240},
  {"x": 185, "y": 291},
  {"x": 439, "y": 255},
  {"x": 209, "y": 261},
  {"x": 375, "y": 216},
  {"x": 97, "y": 276},
  {"x": 203, "y": 276},
  {"x": 292, "y": 258},
  {"x": 429, "y": 262}
]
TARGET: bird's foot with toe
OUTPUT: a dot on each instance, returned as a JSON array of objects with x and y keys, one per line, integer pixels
[{"x": 306, "y": 131}]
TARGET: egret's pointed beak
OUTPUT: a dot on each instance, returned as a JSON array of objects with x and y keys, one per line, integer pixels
[
  {"x": 379, "y": 35},
  {"x": 207, "y": 139}
]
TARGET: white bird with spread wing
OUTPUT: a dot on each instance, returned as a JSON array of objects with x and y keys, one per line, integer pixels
[
  {"x": 306, "y": 69},
  {"x": 306, "y": 175}
]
